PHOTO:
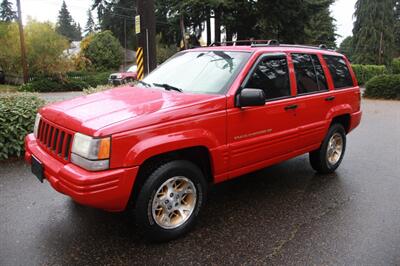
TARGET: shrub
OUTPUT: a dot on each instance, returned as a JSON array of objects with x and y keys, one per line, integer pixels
[
  {"x": 103, "y": 50},
  {"x": 100, "y": 88},
  {"x": 164, "y": 51},
  {"x": 72, "y": 81},
  {"x": 395, "y": 67},
  {"x": 366, "y": 72},
  {"x": 384, "y": 87},
  {"x": 92, "y": 79},
  {"x": 41, "y": 85},
  {"x": 54, "y": 85},
  {"x": 17, "y": 117}
]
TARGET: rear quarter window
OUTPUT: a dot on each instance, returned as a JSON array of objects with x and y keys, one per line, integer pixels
[{"x": 339, "y": 71}]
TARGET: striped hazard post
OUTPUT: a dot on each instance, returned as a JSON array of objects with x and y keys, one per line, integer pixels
[{"x": 140, "y": 63}]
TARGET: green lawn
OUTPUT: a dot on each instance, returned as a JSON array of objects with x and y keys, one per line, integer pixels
[{"x": 8, "y": 88}]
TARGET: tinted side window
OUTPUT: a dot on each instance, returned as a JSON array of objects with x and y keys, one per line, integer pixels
[
  {"x": 310, "y": 76},
  {"x": 339, "y": 71},
  {"x": 272, "y": 76},
  {"x": 323, "y": 86}
]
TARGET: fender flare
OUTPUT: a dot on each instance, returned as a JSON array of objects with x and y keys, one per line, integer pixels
[
  {"x": 343, "y": 109},
  {"x": 160, "y": 144}
]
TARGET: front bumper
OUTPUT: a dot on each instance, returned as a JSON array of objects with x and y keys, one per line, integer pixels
[
  {"x": 116, "y": 81},
  {"x": 109, "y": 190}
]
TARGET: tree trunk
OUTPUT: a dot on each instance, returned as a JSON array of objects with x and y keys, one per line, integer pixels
[
  {"x": 208, "y": 27},
  {"x": 217, "y": 23},
  {"x": 182, "y": 25}
]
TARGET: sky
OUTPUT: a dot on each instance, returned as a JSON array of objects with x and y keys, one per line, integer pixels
[{"x": 47, "y": 10}]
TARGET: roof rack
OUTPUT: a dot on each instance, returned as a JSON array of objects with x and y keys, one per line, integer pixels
[
  {"x": 247, "y": 42},
  {"x": 264, "y": 43}
]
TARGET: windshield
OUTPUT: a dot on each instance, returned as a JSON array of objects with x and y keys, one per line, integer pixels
[
  {"x": 132, "y": 69},
  {"x": 198, "y": 72}
]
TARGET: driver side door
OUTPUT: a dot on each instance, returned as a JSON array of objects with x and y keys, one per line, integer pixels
[{"x": 263, "y": 135}]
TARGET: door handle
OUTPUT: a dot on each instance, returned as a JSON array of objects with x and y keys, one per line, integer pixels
[
  {"x": 330, "y": 98},
  {"x": 291, "y": 107}
]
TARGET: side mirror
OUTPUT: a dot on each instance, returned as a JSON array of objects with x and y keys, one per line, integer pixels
[{"x": 251, "y": 97}]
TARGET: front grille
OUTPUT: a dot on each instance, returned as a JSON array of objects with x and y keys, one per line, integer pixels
[
  {"x": 56, "y": 140},
  {"x": 113, "y": 76}
]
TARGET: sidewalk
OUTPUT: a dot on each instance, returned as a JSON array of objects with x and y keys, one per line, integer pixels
[{"x": 60, "y": 96}]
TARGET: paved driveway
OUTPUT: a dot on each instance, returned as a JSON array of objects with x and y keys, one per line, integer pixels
[{"x": 285, "y": 214}]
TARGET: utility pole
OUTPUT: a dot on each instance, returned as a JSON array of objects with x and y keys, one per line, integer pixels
[
  {"x": 147, "y": 35},
  {"x": 22, "y": 42},
  {"x": 380, "y": 49}
]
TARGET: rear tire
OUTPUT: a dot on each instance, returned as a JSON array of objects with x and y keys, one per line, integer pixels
[
  {"x": 170, "y": 200},
  {"x": 329, "y": 156}
]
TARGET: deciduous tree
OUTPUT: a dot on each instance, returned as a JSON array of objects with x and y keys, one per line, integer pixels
[
  {"x": 103, "y": 50},
  {"x": 44, "y": 48}
]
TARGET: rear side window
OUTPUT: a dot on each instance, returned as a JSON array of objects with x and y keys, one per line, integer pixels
[
  {"x": 339, "y": 71},
  {"x": 272, "y": 76},
  {"x": 310, "y": 76}
]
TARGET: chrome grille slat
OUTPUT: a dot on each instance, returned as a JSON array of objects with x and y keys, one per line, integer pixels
[{"x": 54, "y": 139}]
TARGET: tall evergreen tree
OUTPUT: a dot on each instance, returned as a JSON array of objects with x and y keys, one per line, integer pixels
[
  {"x": 7, "y": 14},
  {"x": 397, "y": 27},
  {"x": 374, "y": 40},
  {"x": 67, "y": 26},
  {"x": 90, "y": 25},
  {"x": 116, "y": 16},
  {"x": 346, "y": 47},
  {"x": 321, "y": 27}
]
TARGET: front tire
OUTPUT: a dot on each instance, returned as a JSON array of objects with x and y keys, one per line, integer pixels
[
  {"x": 329, "y": 156},
  {"x": 170, "y": 200}
]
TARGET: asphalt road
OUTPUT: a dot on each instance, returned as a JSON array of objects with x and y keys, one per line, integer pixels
[{"x": 285, "y": 214}]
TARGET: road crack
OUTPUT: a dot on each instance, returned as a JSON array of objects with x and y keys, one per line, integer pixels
[{"x": 296, "y": 228}]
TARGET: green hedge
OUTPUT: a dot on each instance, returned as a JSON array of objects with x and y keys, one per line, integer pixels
[
  {"x": 17, "y": 117},
  {"x": 47, "y": 85},
  {"x": 395, "y": 67},
  {"x": 92, "y": 79},
  {"x": 73, "y": 81},
  {"x": 365, "y": 72},
  {"x": 384, "y": 87}
]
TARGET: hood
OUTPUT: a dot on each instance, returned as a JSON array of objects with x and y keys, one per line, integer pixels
[
  {"x": 124, "y": 74},
  {"x": 144, "y": 106}
]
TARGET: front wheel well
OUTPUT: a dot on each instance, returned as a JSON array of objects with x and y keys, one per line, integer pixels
[
  {"x": 343, "y": 120},
  {"x": 198, "y": 155}
]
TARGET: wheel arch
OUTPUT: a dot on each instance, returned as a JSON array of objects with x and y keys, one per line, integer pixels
[
  {"x": 343, "y": 120},
  {"x": 198, "y": 155},
  {"x": 341, "y": 115}
]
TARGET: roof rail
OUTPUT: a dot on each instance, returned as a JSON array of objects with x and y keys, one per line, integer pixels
[
  {"x": 247, "y": 42},
  {"x": 265, "y": 43},
  {"x": 320, "y": 47}
]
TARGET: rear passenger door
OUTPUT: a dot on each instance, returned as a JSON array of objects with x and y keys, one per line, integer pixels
[
  {"x": 313, "y": 99},
  {"x": 343, "y": 82}
]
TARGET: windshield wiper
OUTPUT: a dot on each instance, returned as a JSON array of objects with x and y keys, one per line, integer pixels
[
  {"x": 144, "y": 83},
  {"x": 167, "y": 87}
]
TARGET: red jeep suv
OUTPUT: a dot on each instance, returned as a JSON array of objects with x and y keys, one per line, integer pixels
[{"x": 205, "y": 116}]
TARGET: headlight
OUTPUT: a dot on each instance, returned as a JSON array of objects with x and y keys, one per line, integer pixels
[
  {"x": 36, "y": 127},
  {"x": 91, "y": 153},
  {"x": 119, "y": 76}
]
